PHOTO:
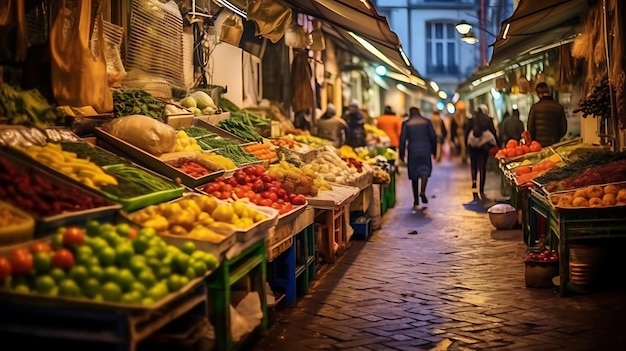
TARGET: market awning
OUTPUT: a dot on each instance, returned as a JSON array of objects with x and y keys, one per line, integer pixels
[{"x": 536, "y": 25}]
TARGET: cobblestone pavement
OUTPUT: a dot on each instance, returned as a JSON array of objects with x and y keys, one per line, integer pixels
[{"x": 456, "y": 285}]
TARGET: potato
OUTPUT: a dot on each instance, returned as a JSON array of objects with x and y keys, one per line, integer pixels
[
  {"x": 609, "y": 199},
  {"x": 611, "y": 189},
  {"x": 580, "y": 202},
  {"x": 594, "y": 191},
  {"x": 595, "y": 202}
]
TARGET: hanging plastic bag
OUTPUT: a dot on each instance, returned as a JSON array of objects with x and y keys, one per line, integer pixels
[
  {"x": 79, "y": 78},
  {"x": 271, "y": 18},
  {"x": 232, "y": 30}
]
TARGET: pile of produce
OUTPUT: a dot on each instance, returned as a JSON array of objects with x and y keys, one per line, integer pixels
[
  {"x": 598, "y": 102},
  {"x": 298, "y": 180},
  {"x": 137, "y": 102},
  {"x": 258, "y": 187},
  {"x": 193, "y": 166},
  {"x": 513, "y": 149},
  {"x": 380, "y": 176},
  {"x": 195, "y": 216},
  {"x": 139, "y": 176},
  {"x": 542, "y": 256},
  {"x": 90, "y": 152},
  {"x": 186, "y": 143},
  {"x": 218, "y": 162},
  {"x": 215, "y": 142},
  {"x": 68, "y": 163},
  {"x": 600, "y": 167},
  {"x": 329, "y": 167},
  {"x": 592, "y": 196},
  {"x": 526, "y": 172},
  {"x": 240, "y": 127},
  {"x": 261, "y": 151},
  {"x": 104, "y": 262},
  {"x": 37, "y": 195},
  {"x": 285, "y": 142},
  {"x": 237, "y": 155},
  {"x": 27, "y": 107},
  {"x": 15, "y": 225},
  {"x": 311, "y": 140},
  {"x": 199, "y": 103},
  {"x": 197, "y": 132}
]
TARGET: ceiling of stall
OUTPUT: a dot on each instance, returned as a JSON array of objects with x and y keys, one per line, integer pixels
[{"x": 536, "y": 24}]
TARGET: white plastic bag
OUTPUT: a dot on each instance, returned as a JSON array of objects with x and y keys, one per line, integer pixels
[{"x": 144, "y": 132}]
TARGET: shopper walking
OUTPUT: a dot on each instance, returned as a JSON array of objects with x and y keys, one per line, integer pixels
[
  {"x": 440, "y": 131},
  {"x": 510, "y": 128},
  {"x": 481, "y": 136},
  {"x": 391, "y": 124},
  {"x": 356, "y": 126},
  {"x": 332, "y": 127},
  {"x": 458, "y": 127},
  {"x": 547, "y": 123},
  {"x": 419, "y": 143}
]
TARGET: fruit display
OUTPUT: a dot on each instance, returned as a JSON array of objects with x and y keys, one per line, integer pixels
[
  {"x": 186, "y": 143},
  {"x": 195, "y": 215},
  {"x": 258, "y": 187},
  {"x": 39, "y": 195},
  {"x": 68, "y": 163},
  {"x": 103, "y": 263},
  {"x": 193, "y": 165},
  {"x": 602, "y": 167},
  {"x": 598, "y": 102},
  {"x": 217, "y": 161},
  {"x": 527, "y": 171},
  {"x": 380, "y": 176},
  {"x": 298, "y": 180},
  {"x": 514, "y": 149},
  {"x": 329, "y": 167},
  {"x": 15, "y": 225},
  {"x": 94, "y": 154},
  {"x": 591, "y": 196},
  {"x": 261, "y": 151},
  {"x": 542, "y": 256},
  {"x": 26, "y": 107},
  {"x": 311, "y": 140}
]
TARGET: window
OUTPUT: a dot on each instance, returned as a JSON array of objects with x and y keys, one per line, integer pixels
[{"x": 441, "y": 46}]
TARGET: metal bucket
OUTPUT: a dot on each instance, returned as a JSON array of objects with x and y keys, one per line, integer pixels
[{"x": 585, "y": 264}]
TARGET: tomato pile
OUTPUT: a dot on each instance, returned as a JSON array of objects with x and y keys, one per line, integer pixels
[
  {"x": 543, "y": 256},
  {"x": 260, "y": 188},
  {"x": 358, "y": 165},
  {"x": 193, "y": 169},
  {"x": 513, "y": 148}
]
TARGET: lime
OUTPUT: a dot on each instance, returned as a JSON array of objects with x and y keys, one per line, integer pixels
[
  {"x": 45, "y": 284},
  {"x": 138, "y": 287},
  {"x": 123, "y": 229},
  {"x": 111, "y": 292},
  {"x": 154, "y": 263},
  {"x": 96, "y": 272},
  {"x": 173, "y": 249},
  {"x": 147, "y": 232},
  {"x": 181, "y": 263},
  {"x": 21, "y": 288},
  {"x": 146, "y": 278},
  {"x": 174, "y": 283},
  {"x": 42, "y": 262},
  {"x": 68, "y": 287},
  {"x": 107, "y": 256},
  {"x": 125, "y": 279},
  {"x": 91, "y": 287},
  {"x": 97, "y": 244},
  {"x": 92, "y": 228},
  {"x": 151, "y": 253},
  {"x": 210, "y": 260},
  {"x": 141, "y": 244},
  {"x": 79, "y": 274},
  {"x": 131, "y": 297},
  {"x": 57, "y": 241},
  {"x": 167, "y": 260},
  {"x": 98, "y": 298},
  {"x": 164, "y": 272},
  {"x": 197, "y": 255},
  {"x": 110, "y": 274},
  {"x": 112, "y": 238},
  {"x": 84, "y": 259},
  {"x": 147, "y": 301},
  {"x": 190, "y": 273},
  {"x": 84, "y": 250},
  {"x": 123, "y": 254},
  {"x": 188, "y": 247},
  {"x": 137, "y": 264},
  {"x": 158, "y": 291},
  {"x": 200, "y": 268},
  {"x": 57, "y": 274},
  {"x": 184, "y": 280}
]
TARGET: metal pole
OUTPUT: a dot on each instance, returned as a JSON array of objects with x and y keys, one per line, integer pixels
[{"x": 483, "y": 34}]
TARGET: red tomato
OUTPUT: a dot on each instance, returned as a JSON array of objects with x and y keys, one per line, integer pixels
[
  {"x": 63, "y": 258},
  {"x": 249, "y": 170},
  {"x": 287, "y": 206},
  {"x": 73, "y": 236},
  {"x": 40, "y": 247},
  {"x": 210, "y": 188},
  {"x": 277, "y": 206},
  {"x": 5, "y": 269},
  {"x": 259, "y": 170},
  {"x": 225, "y": 195},
  {"x": 226, "y": 187},
  {"x": 216, "y": 193},
  {"x": 298, "y": 200},
  {"x": 219, "y": 180},
  {"x": 240, "y": 177},
  {"x": 281, "y": 193},
  {"x": 258, "y": 186},
  {"x": 240, "y": 193},
  {"x": 265, "y": 202},
  {"x": 265, "y": 195},
  {"x": 266, "y": 178},
  {"x": 232, "y": 181},
  {"x": 21, "y": 262},
  {"x": 272, "y": 196},
  {"x": 251, "y": 195}
]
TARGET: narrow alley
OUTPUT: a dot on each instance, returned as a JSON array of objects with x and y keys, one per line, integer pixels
[{"x": 456, "y": 285}]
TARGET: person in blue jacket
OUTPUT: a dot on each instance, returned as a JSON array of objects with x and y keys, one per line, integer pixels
[{"x": 419, "y": 143}]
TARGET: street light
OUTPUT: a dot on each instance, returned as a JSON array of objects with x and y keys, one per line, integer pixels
[
  {"x": 463, "y": 27},
  {"x": 467, "y": 32},
  {"x": 469, "y": 38}
]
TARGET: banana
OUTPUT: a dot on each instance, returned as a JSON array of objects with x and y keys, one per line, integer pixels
[{"x": 104, "y": 179}]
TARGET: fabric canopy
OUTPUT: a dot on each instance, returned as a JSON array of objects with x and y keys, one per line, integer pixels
[{"x": 536, "y": 24}]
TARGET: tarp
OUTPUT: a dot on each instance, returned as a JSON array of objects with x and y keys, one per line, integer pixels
[{"x": 536, "y": 24}]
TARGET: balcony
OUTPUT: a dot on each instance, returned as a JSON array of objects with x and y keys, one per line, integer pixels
[{"x": 441, "y": 70}]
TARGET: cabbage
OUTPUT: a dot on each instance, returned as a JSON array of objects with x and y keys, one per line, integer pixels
[
  {"x": 203, "y": 100},
  {"x": 188, "y": 102}
]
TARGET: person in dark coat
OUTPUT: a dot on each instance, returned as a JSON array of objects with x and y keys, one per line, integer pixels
[
  {"x": 547, "y": 123},
  {"x": 356, "y": 126},
  {"x": 481, "y": 136},
  {"x": 419, "y": 142},
  {"x": 511, "y": 128}
]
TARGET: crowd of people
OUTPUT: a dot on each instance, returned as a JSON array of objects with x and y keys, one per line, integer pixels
[{"x": 421, "y": 140}]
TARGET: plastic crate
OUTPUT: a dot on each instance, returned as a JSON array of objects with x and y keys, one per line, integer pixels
[{"x": 362, "y": 227}]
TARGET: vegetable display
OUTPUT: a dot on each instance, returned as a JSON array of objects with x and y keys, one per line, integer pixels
[
  {"x": 34, "y": 193},
  {"x": 186, "y": 143},
  {"x": 196, "y": 132},
  {"x": 261, "y": 151},
  {"x": 142, "y": 177},
  {"x": 575, "y": 168},
  {"x": 88, "y": 151},
  {"x": 592, "y": 196},
  {"x": 211, "y": 143},
  {"x": 241, "y": 128},
  {"x": 298, "y": 180},
  {"x": 237, "y": 154},
  {"x": 26, "y": 107},
  {"x": 137, "y": 102}
]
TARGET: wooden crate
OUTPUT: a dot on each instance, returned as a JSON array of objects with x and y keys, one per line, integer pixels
[{"x": 334, "y": 241}]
